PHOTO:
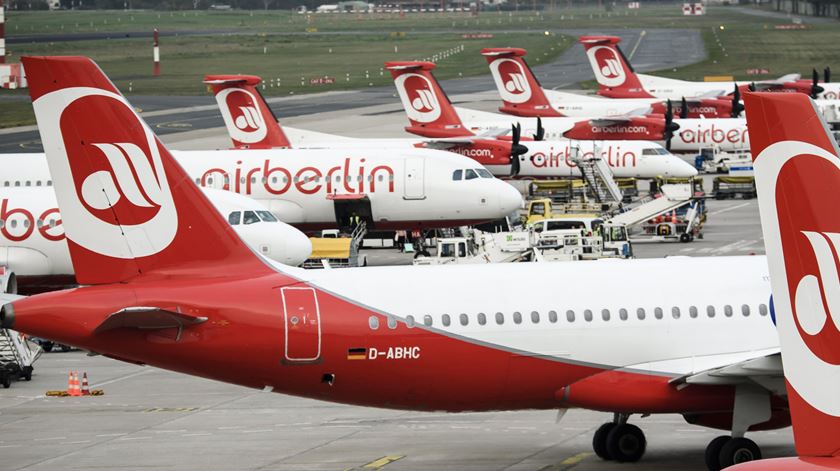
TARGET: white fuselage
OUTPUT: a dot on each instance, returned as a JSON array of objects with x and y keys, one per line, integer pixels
[
  {"x": 299, "y": 186},
  {"x": 33, "y": 243},
  {"x": 587, "y": 106},
  {"x": 726, "y": 134},
  {"x": 594, "y": 306}
]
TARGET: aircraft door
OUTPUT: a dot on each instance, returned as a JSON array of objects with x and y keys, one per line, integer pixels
[
  {"x": 414, "y": 171},
  {"x": 303, "y": 324}
]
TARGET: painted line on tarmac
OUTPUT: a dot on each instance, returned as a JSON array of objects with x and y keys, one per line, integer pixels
[
  {"x": 730, "y": 208},
  {"x": 120, "y": 378},
  {"x": 379, "y": 463},
  {"x": 568, "y": 463}
]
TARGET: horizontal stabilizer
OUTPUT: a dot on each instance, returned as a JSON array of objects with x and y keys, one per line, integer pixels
[{"x": 151, "y": 318}]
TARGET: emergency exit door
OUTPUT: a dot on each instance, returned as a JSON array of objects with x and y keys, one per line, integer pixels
[
  {"x": 414, "y": 179},
  {"x": 303, "y": 324}
]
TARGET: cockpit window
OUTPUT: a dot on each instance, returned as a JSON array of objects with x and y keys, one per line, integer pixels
[
  {"x": 234, "y": 218},
  {"x": 470, "y": 174},
  {"x": 266, "y": 216},
  {"x": 250, "y": 217},
  {"x": 655, "y": 151},
  {"x": 484, "y": 173},
  {"x": 457, "y": 175}
]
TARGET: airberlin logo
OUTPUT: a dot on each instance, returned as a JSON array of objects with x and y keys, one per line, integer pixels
[
  {"x": 19, "y": 224},
  {"x": 110, "y": 173},
  {"x": 705, "y": 133},
  {"x": 562, "y": 157},
  {"x": 417, "y": 94},
  {"x": 616, "y": 129},
  {"x": 512, "y": 80},
  {"x": 607, "y": 66},
  {"x": 798, "y": 223},
  {"x": 242, "y": 116}
]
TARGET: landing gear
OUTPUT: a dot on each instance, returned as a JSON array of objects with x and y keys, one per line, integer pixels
[
  {"x": 725, "y": 451},
  {"x": 619, "y": 441}
]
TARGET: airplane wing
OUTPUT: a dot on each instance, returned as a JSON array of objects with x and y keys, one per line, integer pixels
[
  {"x": 764, "y": 370},
  {"x": 711, "y": 94},
  {"x": 152, "y": 318},
  {"x": 609, "y": 121},
  {"x": 789, "y": 78}
]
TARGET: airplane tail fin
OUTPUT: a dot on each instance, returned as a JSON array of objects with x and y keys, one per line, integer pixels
[
  {"x": 250, "y": 122},
  {"x": 429, "y": 110},
  {"x": 797, "y": 171},
  {"x": 127, "y": 207},
  {"x": 520, "y": 90},
  {"x": 616, "y": 77}
]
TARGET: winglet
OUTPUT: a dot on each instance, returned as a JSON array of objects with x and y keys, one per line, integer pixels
[
  {"x": 797, "y": 173},
  {"x": 249, "y": 120}
]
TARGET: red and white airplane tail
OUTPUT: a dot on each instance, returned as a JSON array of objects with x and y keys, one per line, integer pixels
[
  {"x": 520, "y": 90},
  {"x": 616, "y": 77},
  {"x": 127, "y": 207},
  {"x": 797, "y": 171},
  {"x": 249, "y": 120},
  {"x": 428, "y": 108}
]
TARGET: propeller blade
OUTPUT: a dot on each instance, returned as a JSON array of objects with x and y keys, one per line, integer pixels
[
  {"x": 684, "y": 109},
  {"x": 737, "y": 106},
  {"x": 816, "y": 89},
  {"x": 752, "y": 87},
  {"x": 827, "y": 75},
  {"x": 540, "y": 135}
]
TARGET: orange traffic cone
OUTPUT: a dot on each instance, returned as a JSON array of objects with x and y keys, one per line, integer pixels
[
  {"x": 73, "y": 384},
  {"x": 85, "y": 385},
  {"x": 673, "y": 217}
]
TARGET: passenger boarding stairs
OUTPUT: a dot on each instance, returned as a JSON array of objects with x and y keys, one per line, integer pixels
[
  {"x": 598, "y": 176},
  {"x": 357, "y": 237},
  {"x": 16, "y": 355},
  {"x": 673, "y": 196}
]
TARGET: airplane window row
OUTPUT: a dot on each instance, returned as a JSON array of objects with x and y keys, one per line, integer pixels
[
  {"x": 250, "y": 217},
  {"x": 13, "y": 223},
  {"x": 19, "y": 183},
  {"x": 535, "y": 317},
  {"x": 471, "y": 174}
]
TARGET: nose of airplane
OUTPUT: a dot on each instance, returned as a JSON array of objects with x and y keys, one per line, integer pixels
[
  {"x": 510, "y": 199},
  {"x": 679, "y": 168},
  {"x": 296, "y": 246}
]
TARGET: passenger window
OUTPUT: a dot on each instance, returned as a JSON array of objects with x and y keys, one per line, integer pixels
[
  {"x": 234, "y": 218},
  {"x": 745, "y": 310},
  {"x": 409, "y": 321},
  {"x": 49, "y": 182},
  {"x": 500, "y": 318},
  {"x": 710, "y": 311},
  {"x": 446, "y": 320},
  {"x": 17, "y": 183},
  {"x": 535, "y": 317},
  {"x": 570, "y": 315},
  {"x": 587, "y": 315},
  {"x": 249, "y": 217},
  {"x": 605, "y": 314},
  {"x": 28, "y": 183},
  {"x": 392, "y": 323},
  {"x": 373, "y": 322},
  {"x": 38, "y": 183},
  {"x": 692, "y": 312},
  {"x": 456, "y": 175},
  {"x": 464, "y": 319},
  {"x": 14, "y": 223},
  {"x": 727, "y": 310},
  {"x": 482, "y": 319},
  {"x": 675, "y": 312},
  {"x": 552, "y": 316},
  {"x": 39, "y": 223},
  {"x": 762, "y": 309},
  {"x": 640, "y": 313},
  {"x": 657, "y": 313},
  {"x": 427, "y": 319},
  {"x": 517, "y": 317},
  {"x": 622, "y": 314},
  {"x": 470, "y": 174}
]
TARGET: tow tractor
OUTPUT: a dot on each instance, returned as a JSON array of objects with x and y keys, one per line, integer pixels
[{"x": 584, "y": 235}]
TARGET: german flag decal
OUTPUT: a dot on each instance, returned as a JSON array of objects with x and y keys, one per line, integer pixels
[{"x": 356, "y": 354}]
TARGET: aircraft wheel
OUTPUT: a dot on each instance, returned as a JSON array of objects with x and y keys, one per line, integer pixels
[
  {"x": 739, "y": 450},
  {"x": 599, "y": 440},
  {"x": 7, "y": 382},
  {"x": 713, "y": 452},
  {"x": 626, "y": 443},
  {"x": 685, "y": 238}
]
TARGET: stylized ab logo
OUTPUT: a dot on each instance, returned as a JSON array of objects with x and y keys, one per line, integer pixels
[
  {"x": 511, "y": 80},
  {"x": 607, "y": 65},
  {"x": 417, "y": 94},
  {"x": 249, "y": 120},
  {"x": 248, "y": 127}
]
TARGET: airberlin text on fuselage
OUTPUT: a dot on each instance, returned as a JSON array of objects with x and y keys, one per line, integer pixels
[
  {"x": 563, "y": 156},
  {"x": 713, "y": 134},
  {"x": 353, "y": 178},
  {"x": 28, "y": 223}
]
